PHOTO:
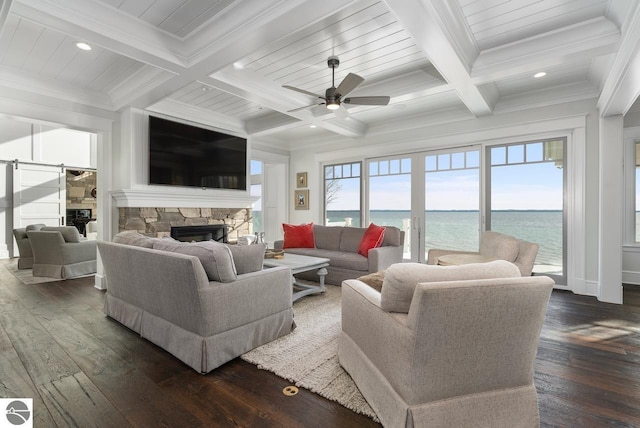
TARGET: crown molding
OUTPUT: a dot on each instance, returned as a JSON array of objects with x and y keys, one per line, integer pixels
[
  {"x": 28, "y": 82},
  {"x": 143, "y": 80},
  {"x": 109, "y": 27},
  {"x": 177, "y": 109},
  {"x": 576, "y": 43},
  {"x": 622, "y": 87}
]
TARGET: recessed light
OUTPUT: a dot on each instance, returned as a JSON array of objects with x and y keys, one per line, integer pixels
[
  {"x": 312, "y": 126},
  {"x": 205, "y": 89},
  {"x": 84, "y": 46},
  {"x": 540, "y": 74}
]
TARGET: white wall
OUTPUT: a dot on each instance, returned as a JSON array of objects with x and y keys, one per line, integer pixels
[
  {"x": 579, "y": 120},
  {"x": 30, "y": 141}
]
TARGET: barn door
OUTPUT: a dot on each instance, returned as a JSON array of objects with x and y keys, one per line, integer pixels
[{"x": 39, "y": 195}]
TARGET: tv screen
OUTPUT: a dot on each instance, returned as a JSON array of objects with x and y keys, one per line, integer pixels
[{"x": 185, "y": 155}]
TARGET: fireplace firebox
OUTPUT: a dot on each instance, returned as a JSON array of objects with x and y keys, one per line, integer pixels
[{"x": 207, "y": 232}]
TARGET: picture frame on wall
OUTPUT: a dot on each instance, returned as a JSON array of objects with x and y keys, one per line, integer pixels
[
  {"x": 301, "y": 180},
  {"x": 302, "y": 199}
]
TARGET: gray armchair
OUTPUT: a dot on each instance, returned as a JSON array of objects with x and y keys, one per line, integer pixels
[
  {"x": 59, "y": 252},
  {"x": 462, "y": 354},
  {"x": 498, "y": 246},
  {"x": 24, "y": 246}
]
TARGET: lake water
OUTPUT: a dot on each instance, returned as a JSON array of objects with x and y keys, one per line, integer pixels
[{"x": 459, "y": 230}]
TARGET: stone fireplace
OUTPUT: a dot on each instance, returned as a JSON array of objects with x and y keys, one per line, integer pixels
[{"x": 157, "y": 222}]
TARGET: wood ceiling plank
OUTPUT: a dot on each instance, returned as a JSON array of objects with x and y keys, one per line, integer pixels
[
  {"x": 161, "y": 10},
  {"x": 470, "y": 8},
  {"x": 113, "y": 3},
  {"x": 391, "y": 61},
  {"x": 193, "y": 14},
  {"x": 25, "y": 37},
  {"x": 113, "y": 75},
  {"x": 271, "y": 52},
  {"x": 7, "y": 34},
  {"x": 136, "y": 7},
  {"x": 348, "y": 60},
  {"x": 540, "y": 23},
  {"x": 512, "y": 10},
  {"x": 325, "y": 42},
  {"x": 44, "y": 48}
]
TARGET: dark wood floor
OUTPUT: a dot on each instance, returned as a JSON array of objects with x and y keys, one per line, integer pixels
[{"x": 83, "y": 369}]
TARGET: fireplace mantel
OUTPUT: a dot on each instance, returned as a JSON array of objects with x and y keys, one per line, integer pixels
[{"x": 187, "y": 198}]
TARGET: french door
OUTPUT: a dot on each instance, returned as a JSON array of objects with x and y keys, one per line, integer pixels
[{"x": 446, "y": 198}]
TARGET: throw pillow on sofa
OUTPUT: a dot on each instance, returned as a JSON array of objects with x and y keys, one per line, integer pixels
[
  {"x": 401, "y": 279},
  {"x": 372, "y": 238},
  {"x": 298, "y": 236},
  {"x": 248, "y": 258},
  {"x": 216, "y": 258}
]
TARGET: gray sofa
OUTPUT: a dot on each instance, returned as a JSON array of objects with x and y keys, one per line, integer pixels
[
  {"x": 168, "y": 298},
  {"x": 340, "y": 245},
  {"x": 450, "y": 346}
]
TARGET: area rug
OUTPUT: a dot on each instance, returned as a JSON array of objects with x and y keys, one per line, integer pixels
[
  {"x": 308, "y": 357},
  {"x": 26, "y": 275}
]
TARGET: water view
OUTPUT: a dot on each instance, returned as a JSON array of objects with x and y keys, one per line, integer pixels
[{"x": 459, "y": 230}]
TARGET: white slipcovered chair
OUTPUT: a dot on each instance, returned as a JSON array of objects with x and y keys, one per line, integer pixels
[
  {"x": 446, "y": 353},
  {"x": 498, "y": 246}
]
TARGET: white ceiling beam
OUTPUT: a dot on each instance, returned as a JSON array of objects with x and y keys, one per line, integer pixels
[
  {"x": 421, "y": 19},
  {"x": 288, "y": 17},
  {"x": 252, "y": 87},
  {"x": 270, "y": 124},
  {"x": 107, "y": 27},
  {"x": 622, "y": 86},
  {"x": 574, "y": 44},
  {"x": 4, "y": 12}
]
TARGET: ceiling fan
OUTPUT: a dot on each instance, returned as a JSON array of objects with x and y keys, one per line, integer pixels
[{"x": 334, "y": 97}]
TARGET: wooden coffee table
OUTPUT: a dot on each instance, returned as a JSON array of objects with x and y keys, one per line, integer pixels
[{"x": 298, "y": 264}]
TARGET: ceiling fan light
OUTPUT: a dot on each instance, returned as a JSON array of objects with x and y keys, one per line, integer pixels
[{"x": 332, "y": 105}]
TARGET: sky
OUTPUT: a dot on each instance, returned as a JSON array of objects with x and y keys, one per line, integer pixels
[{"x": 515, "y": 187}]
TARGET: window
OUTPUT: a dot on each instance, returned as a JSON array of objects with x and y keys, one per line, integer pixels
[
  {"x": 525, "y": 198},
  {"x": 390, "y": 201},
  {"x": 637, "y": 191},
  {"x": 342, "y": 194},
  {"x": 255, "y": 168},
  {"x": 452, "y": 200}
]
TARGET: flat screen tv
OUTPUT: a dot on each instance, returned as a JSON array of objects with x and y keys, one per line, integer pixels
[{"x": 186, "y": 155}]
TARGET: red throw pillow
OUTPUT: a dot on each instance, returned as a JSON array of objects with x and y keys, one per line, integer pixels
[
  {"x": 372, "y": 238},
  {"x": 298, "y": 236}
]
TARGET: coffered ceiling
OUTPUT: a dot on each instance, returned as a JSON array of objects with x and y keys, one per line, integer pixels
[{"x": 224, "y": 62}]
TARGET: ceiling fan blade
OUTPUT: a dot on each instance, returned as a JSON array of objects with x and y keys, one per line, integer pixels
[
  {"x": 368, "y": 101},
  {"x": 302, "y": 108},
  {"x": 302, "y": 91},
  {"x": 348, "y": 84},
  {"x": 342, "y": 112}
]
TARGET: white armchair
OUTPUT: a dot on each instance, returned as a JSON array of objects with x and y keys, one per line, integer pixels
[
  {"x": 461, "y": 355},
  {"x": 498, "y": 246}
]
